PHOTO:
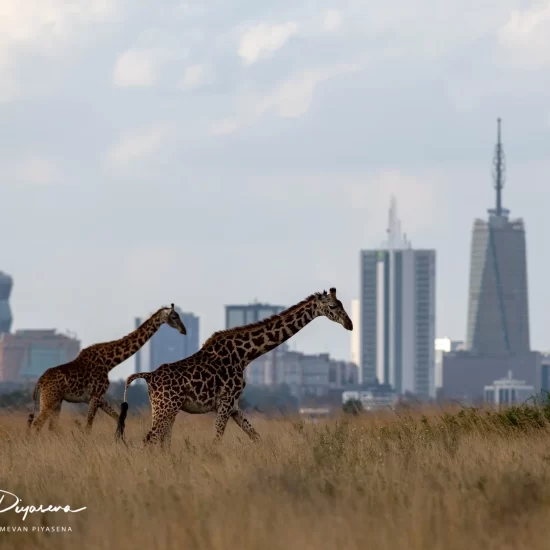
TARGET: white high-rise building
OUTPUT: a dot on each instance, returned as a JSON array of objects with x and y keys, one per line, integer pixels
[
  {"x": 356, "y": 334},
  {"x": 397, "y": 321}
]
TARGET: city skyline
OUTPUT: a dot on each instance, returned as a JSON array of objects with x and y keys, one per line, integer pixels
[{"x": 215, "y": 155}]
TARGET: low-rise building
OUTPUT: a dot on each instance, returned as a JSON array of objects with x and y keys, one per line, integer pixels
[
  {"x": 372, "y": 397},
  {"x": 26, "y": 354},
  {"x": 508, "y": 391},
  {"x": 306, "y": 375}
]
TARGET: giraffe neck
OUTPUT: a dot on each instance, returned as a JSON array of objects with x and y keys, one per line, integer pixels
[
  {"x": 274, "y": 331},
  {"x": 118, "y": 351}
]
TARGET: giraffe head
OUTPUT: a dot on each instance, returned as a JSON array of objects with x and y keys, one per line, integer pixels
[
  {"x": 170, "y": 316},
  {"x": 332, "y": 308}
]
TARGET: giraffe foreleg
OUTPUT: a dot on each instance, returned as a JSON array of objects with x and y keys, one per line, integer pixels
[
  {"x": 92, "y": 410},
  {"x": 225, "y": 410},
  {"x": 245, "y": 425}
]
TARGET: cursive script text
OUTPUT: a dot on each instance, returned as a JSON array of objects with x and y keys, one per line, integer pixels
[{"x": 29, "y": 509}]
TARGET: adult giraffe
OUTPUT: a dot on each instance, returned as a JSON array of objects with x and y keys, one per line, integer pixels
[{"x": 213, "y": 378}]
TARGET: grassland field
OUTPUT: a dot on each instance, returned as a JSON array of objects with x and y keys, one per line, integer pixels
[{"x": 428, "y": 479}]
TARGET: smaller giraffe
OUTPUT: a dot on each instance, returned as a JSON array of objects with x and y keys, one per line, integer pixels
[
  {"x": 86, "y": 378},
  {"x": 212, "y": 380}
]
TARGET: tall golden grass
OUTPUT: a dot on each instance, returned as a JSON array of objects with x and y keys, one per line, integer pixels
[{"x": 382, "y": 482}]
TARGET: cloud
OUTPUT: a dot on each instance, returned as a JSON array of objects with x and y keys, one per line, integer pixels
[
  {"x": 42, "y": 27},
  {"x": 195, "y": 76},
  {"x": 34, "y": 169},
  {"x": 291, "y": 99},
  {"x": 225, "y": 126},
  {"x": 9, "y": 86},
  {"x": 138, "y": 144},
  {"x": 332, "y": 20},
  {"x": 135, "y": 68},
  {"x": 526, "y": 37},
  {"x": 264, "y": 39}
]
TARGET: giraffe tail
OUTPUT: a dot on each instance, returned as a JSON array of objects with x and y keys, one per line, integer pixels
[
  {"x": 124, "y": 406},
  {"x": 35, "y": 400}
]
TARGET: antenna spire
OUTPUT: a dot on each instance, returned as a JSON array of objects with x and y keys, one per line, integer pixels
[{"x": 498, "y": 171}]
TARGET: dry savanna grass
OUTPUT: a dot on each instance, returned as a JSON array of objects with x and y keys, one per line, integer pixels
[{"x": 381, "y": 482}]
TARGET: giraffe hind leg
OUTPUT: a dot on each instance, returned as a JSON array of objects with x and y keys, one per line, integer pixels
[
  {"x": 54, "y": 418},
  {"x": 106, "y": 408},
  {"x": 245, "y": 425},
  {"x": 161, "y": 430},
  {"x": 41, "y": 419},
  {"x": 49, "y": 403}
]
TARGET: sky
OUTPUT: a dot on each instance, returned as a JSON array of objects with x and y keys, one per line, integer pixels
[{"x": 210, "y": 152}]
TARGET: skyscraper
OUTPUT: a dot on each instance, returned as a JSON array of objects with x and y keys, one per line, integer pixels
[
  {"x": 498, "y": 310},
  {"x": 6, "y": 284},
  {"x": 398, "y": 314}
]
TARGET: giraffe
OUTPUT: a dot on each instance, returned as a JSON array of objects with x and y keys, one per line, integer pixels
[
  {"x": 212, "y": 380},
  {"x": 86, "y": 378}
]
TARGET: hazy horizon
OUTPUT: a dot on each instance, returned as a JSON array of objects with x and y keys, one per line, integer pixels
[{"x": 215, "y": 154}]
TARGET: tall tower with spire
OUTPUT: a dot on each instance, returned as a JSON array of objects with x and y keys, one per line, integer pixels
[{"x": 498, "y": 305}]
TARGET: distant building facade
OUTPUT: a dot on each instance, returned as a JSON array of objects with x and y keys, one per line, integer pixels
[
  {"x": 307, "y": 375},
  {"x": 442, "y": 346},
  {"x": 498, "y": 308},
  {"x": 167, "y": 345},
  {"x": 398, "y": 315},
  {"x": 27, "y": 354},
  {"x": 238, "y": 315},
  {"x": 245, "y": 314},
  {"x": 545, "y": 371},
  {"x": 356, "y": 334},
  {"x": 508, "y": 391},
  {"x": 373, "y": 398},
  {"x": 6, "y": 319},
  {"x": 466, "y": 373}
]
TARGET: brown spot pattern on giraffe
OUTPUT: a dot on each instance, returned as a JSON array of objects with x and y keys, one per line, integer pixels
[
  {"x": 86, "y": 378},
  {"x": 213, "y": 378}
]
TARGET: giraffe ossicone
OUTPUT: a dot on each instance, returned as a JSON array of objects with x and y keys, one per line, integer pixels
[
  {"x": 86, "y": 378},
  {"x": 212, "y": 380}
]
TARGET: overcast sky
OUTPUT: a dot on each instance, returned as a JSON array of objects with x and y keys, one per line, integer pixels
[{"x": 213, "y": 152}]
